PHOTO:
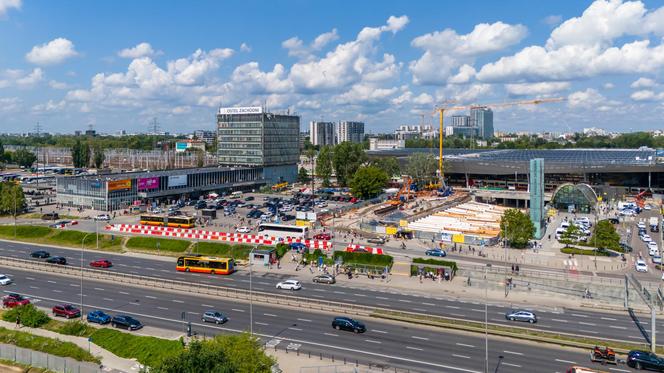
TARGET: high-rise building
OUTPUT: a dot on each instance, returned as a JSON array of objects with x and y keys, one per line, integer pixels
[
  {"x": 350, "y": 131},
  {"x": 416, "y": 131},
  {"x": 321, "y": 133},
  {"x": 205, "y": 136},
  {"x": 460, "y": 120},
  {"x": 482, "y": 118},
  {"x": 536, "y": 186},
  {"x": 248, "y": 136}
]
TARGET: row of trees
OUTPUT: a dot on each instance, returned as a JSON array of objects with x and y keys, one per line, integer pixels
[
  {"x": 138, "y": 142},
  {"x": 604, "y": 236},
  {"x": 83, "y": 154}
]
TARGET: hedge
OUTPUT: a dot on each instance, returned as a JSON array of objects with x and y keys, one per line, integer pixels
[
  {"x": 577, "y": 251},
  {"x": 363, "y": 258},
  {"x": 147, "y": 350},
  {"x": 150, "y": 243},
  {"x": 446, "y": 263},
  {"x": 30, "y": 316}
]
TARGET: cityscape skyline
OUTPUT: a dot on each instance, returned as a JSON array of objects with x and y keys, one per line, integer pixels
[{"x": 66, "y": 67}]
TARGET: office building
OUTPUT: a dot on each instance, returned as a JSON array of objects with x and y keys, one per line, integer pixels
[
  {"x": 322, "y": 133},
  {"x": 385, "y": 144},
  {"x": 460, "y": 120},
  {"x": 466, "y": 132},
  {"x": 481, "y": 117},
  {"x": 350, "y": 131},
  {"x": 249, "y": 136},
  {"x": 205, "y": 136},
  {"x": 415, "y": 132}
]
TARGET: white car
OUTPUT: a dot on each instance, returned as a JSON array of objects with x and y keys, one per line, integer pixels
[
  {"x": 4, "y": 280},
  {"x": 243, "y": 230},
  {"x": 652, "y": 245},
  {"x": 646, "y": 238},
  {"x": 657, "y": 259},
  {"x": 289, "y": 285},
  {"x": 647, "y": 207},
  {"x": 641, "y": 225},
  {"x": 103, "y": 217},
  {"x": 641, "y": 266}
]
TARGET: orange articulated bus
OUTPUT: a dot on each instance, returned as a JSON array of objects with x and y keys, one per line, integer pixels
[
  {"x": 168, "y": 221},
  {"x": 204, "y": 264}
]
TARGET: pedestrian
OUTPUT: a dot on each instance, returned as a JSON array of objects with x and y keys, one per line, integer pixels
[
  {"x": 18, "y": 320},
  {"x": 278, "y": 264},
  {"x": 512, "y": 268},
  {"x": 517, "y": 269}
]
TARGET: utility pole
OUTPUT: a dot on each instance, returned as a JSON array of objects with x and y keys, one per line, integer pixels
[{"x": 38, "y": 129}]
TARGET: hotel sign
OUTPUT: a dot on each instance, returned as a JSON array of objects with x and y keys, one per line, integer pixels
[{"x": 241, "y": 110}]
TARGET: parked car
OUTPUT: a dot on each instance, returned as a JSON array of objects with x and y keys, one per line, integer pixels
[
  {"x": 346, "y": 323},
  {"x": 41, "y": 254},
  {"x": 57, "y": 260},
  {"x": 644, "y": 360},
  {"x": 125, "y": 322},
  {"x": 377, "y": 241},
  {"x": 12, "y": 300},
  {"x": 640, "y": 265},
  {"x": 103, "y": 217},
  {"x": 324, "y": 279},
  {"x": 614, "y": 220},
  {"x": 66, "y": 310},
  {"x": 435, "y": 252},
  {"x": 520, "y": 315},
  {"x": 626, "y": 248},
  {"x": 99, "y": 317},
  {"x": 249, "y": 198},
  {"x": 323, "y": 236},
  {"x": 5, "y": 280},
  {"x": 101, "y": 263},
  {"x": 51, "y": 216},
  {"x": 214, "y": 317},
  {"x": 299, "y": 246},
  {"x": 289, "y": 285},
  {"x": 243, "y": 230}
]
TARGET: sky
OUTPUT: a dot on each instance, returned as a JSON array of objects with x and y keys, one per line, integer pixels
[{"x": 116, "y": 65}]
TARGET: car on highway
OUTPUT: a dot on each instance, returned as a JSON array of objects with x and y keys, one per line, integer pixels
[
  {"x": 323, "y": 236},
  {"x": 12, "y": 300},
  {"x": 626, "y": 248},
  {"x": 644, "y": 360},
  {"x": 641, "y": 225},
  {"x": 125, "y": 322},
  {"x": 59, "y": 225},
  {"x": 103, "y": 217},
  {"x": 101, "y": 263},
  {"x": 98, "y": 317},
  {"x": 435, "y": 252},
  {"x": 346, "y": 323},
  {"x": 640, "y": 265},
  {"x": 289, "y": 285},
  {"x": 243, "y": 230},
  {"x": 521, "y": 315},
  {"x": 214, "y": 317},
  {"x": 57, "y": 260},
  {"x": 66, "y": 310},
  {"x": 324, "y": 279},
  {"x": 250, "y": 198},
  {"x": 377, "y": 241},
  {"x": 41, "y": 254},
  {"x": 5, "y": 280}
]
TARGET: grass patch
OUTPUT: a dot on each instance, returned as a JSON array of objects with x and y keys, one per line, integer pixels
[
  {"x": 24, "y": 231},
  {"x": 577, "y": 251},
  {"x": 364, "y": 259},
  {"x": 47, "y": 345},
  {"x": 34, "y": 215},
  {"x": 75, "y": 238},
  {"x": 72, "y": 327},
  {"x": 150, "y": 243},
  {"x": 147, "y": 350},
  {"x": 223, "y": 250}
]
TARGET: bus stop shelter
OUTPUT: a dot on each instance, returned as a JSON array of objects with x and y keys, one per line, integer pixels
[{"x": 264, "y": 257}]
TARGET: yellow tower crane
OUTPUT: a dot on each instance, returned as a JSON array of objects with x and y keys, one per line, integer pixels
[{"x": 441, "y": 111}]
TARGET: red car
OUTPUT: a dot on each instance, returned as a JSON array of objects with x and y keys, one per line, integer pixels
[
  {"x": 101, "y": 263},
  {"x": 323, "y": 236},
  {"x": 12, "y": 300},
  {"x": 66, "y": 310}
]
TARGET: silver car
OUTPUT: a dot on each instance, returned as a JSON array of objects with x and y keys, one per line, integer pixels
[
  {"x": 518, "y": 315},
  {"x": 214, "y": 317}
]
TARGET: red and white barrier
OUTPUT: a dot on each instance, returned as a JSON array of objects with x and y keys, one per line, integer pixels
[{"x": 372, "y": 250}]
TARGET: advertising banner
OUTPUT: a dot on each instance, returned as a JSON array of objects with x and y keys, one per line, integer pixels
[
  {"x": 458, "y": 238},
  {"x": 177, "y": 181},
  {"x": 181, "y": 146},
  {"x": 124, "y": 184},
  {"x": 241, "y": 110},
  {"x": 148, "y": 183}
]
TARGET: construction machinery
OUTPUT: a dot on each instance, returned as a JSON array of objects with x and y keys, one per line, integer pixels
[
  {"x": 279, "y": 187},
  {"x": 405, "y": 193},
  {"x": 441, "y": 111},
  {"x": 640, "y": 201}
]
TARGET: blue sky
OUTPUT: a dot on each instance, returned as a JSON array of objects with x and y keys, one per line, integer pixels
[{"x": 117, "y": 64}]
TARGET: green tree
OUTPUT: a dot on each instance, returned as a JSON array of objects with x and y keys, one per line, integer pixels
[
  {"x": 324, "y": 165},
  {"x": 11, "y": 198},
  {"x": 80, "y": 154},
  {"x": 24, "y": 158},
  {"x": 303, "y": 175},
  {"x": 422, "y": 166},
  {"x": 388, "y": 164},
  {"x": 605, "y": 236},
  {"x": 347, "y": 158},
  {"x": 99, "y": 157},
  {"x": 368, "y": 182},
  {"x": 570, "y": 235},
  {"x": 516, "y": 228}
]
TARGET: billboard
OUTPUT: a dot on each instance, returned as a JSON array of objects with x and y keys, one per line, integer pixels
[
  {"x": 177, "y": 181},
  {"x": 148, "y": 183},
  {"x": 124, "y": 184},
  {"x": 241, "y": 110},
  {"x": 181, "y": 146}
]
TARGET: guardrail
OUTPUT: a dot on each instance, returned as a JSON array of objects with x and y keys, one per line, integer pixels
[{"x": 282, "y": 300}]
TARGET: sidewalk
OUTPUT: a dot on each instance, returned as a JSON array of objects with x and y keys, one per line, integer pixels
[{"x": 109, "y": 361}]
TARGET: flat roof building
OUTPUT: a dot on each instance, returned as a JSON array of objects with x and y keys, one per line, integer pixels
[
  {"x": 322, "y": 133},
  {"x": 350, "y": 131}
]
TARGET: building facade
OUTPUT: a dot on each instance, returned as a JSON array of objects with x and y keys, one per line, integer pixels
[
  {"x": 536, "y": 187},
  {"x": 468, "y": 132},
  {"x": 322, "y": 133},
  {"x": 481, "y": 117},
  {"x": 205, "y": 136},
  {"x": 460, "y": 120},
  {"x": 384, "y": 144},
  {"x": 249, "y": 136},
  {"x": 350, "y": 131},
  {"x": 416, "y": 131}
]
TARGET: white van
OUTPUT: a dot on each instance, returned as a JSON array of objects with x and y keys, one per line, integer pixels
[
  {"x": 564, "y": 225},
  {"x": 559, "y": 233}
]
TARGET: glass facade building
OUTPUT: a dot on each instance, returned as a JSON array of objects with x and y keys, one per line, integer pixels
[
  {"x": 482, "y": 118},
  {"x": 536, "y": 187},
  {"x": 576, "y": 197}
]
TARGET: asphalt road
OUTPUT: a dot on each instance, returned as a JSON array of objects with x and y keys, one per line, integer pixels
[
  {"x": 384, "y": 344},
  {"x": 583, "y": 322}
]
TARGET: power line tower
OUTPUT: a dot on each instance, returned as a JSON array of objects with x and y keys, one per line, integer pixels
[{"x": 154, "y": 126}]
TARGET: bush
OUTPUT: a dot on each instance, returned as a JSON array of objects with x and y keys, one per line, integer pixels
[
  {"x": 47, "y": 345},
  {"x": 447, "y": 263},
  {"x": 149, "y": 351},
  {"x": 150, "y": 243},
  {"x": 314, "y": 255},
  {"x": 363, "y": 258},
  {"x": 282, "y": 249},
  {"x": 30, "y": 316},
  {"x": 75, "y": 327},
  {"x": 577, "y": 251}
]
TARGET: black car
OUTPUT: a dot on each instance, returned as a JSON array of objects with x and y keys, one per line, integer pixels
[
  {"x": 346, "y": 323},
  {"x": 626, "y": 248},
  {"x": 126, "y": 322},
  {"x": 614, "y": 221},
  {"x": 250, "y": 198},
  {"x": 644, "y": 360},
  {"x": 51, "y": 216},
  {"x": 57, "y": 260},
  {"x": 41, "y": 254}
]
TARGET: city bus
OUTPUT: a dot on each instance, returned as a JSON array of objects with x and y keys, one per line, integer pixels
[
  {"x": 205, "y": 264},
  {"x": 168, "y": 221},
  {"x": 282, "y": 230}
]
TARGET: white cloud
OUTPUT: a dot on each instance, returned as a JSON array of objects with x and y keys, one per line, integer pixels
[
  {"x": 5, "y": 5},
  {"x": 324, "y": 38},
  {"x": 646, "y": 95},
  {"x": 446, "y": 50},
  {"x": 542, "y": 88},
  {"x": 140, "y": 50},
  {"x": 190, "y": 70},
  {"x": 57, "y": 85},
  {"x": 179, "y": 110},
  {"x": 256, "y": 81},
  {"x": 20, "y": 78},
  {"x": 423, "y": 99},
  {"x": 365, "y": 93},
  {"x": 643, "y": 83},
  {"x": 244, "y": 47},
  {"x": 590, "y": 99},
  {"x": 49, "y": 106},
  {"x": 463, "y": 94},
  {"x": 53, "y": 52},
  {"x": 553, "y": 20},
  {"x": 465, "y": 74},
  {"x": 296, "y": 47},
  {"x": 609, "y": 85},
  {"x": 10, "y": 104},
  {"x": 31, "y": 79}
]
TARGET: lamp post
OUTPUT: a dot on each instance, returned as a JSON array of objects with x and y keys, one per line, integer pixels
[
  {"x": 15, "y": 208},
  {"x": 251, "y": 293},
  {"x": 82, "y": 245},
  {"x": 486, "y": 318}
]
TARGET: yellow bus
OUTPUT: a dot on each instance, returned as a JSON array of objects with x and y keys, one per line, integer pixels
[
  {"x": 205, "y": 264},
  {"x": 168, "y": 221}
]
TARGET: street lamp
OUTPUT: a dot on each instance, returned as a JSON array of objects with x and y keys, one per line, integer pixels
[
  {"x": 486, "y": 318},
  {"x": 82, "y": 244},
  {"x": 251, "y": 294}
]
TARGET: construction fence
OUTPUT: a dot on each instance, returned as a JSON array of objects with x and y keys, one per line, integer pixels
[{"x": 47, "y": 361}]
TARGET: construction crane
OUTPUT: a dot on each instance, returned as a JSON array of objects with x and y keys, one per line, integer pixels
[{"x": 441, "y": 111}]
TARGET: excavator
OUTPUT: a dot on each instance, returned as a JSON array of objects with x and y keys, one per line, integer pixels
[
  {"x": 405, "y": 193},
  {"x": 640, "y": 201}
]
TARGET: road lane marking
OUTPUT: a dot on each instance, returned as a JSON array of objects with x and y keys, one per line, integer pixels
[
  {"x": 305, "y": 320},
  {"x": 404, "y": 300},
  {"x": 99, "y": 289},
  {"x": 454, "y": 307},
  {"x": 296, "y": 329},
  {"x": 331, "y": 334},
  {"x": 414, "y": 348},
  {"x": 178, "y": 301},
  {"x": 513, "y": 352},
  {"x": 379, "y": 331},
  {"x": 193, "y": 313},
  {"x": 162, "y": 308},
  {"x": 588, "y": 331},
  {"x": 57, "y": 291},
  {"x": 608, "y": 318},
  {"x": 382, "y": 304},
  {"x": 339, "y": 292},
  {"x": 461, "y": 356},
  {"x": 236, "y": 310},
  {"x": 617, "y": 327},
  {"x": 587, "y": 323},
  {"x": 206, "y": 305},
  {"x": 260, "y": 323},
  {"x": 476, "y": 310},
  {"x": 30, "y": 278},
  {"x": 74, "y": 285},
  {"x": 383, "y": 298},
  {"x": 565, "y": 361},
  {"x": 151, "y": 297},
  {"x": 33, "y": 287},
  {"x": 123, "y": 292},
  {"x": 51, "y": 282},
  {"x": 559, "y": 320},
  {"x": 465, "y": 345},
  {"x": 578, "y": 315},
  {"x": 372, "y": 341},
  {"x": 359, "y": 295},
  {"x": 419, "y": 310},
  {"x": 512, "y": 365},
  {"x": 108, "y": 299},
  {"x": 428, "y": 304},
  {"x": 269, "y": 314},
  {"x": 421, "y": 338}
]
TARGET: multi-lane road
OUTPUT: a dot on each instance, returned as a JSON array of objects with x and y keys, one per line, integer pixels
[{"x": 384, "y": 344}]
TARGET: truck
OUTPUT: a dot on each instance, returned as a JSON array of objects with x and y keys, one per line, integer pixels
[{"x": 654, "y": 224}]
